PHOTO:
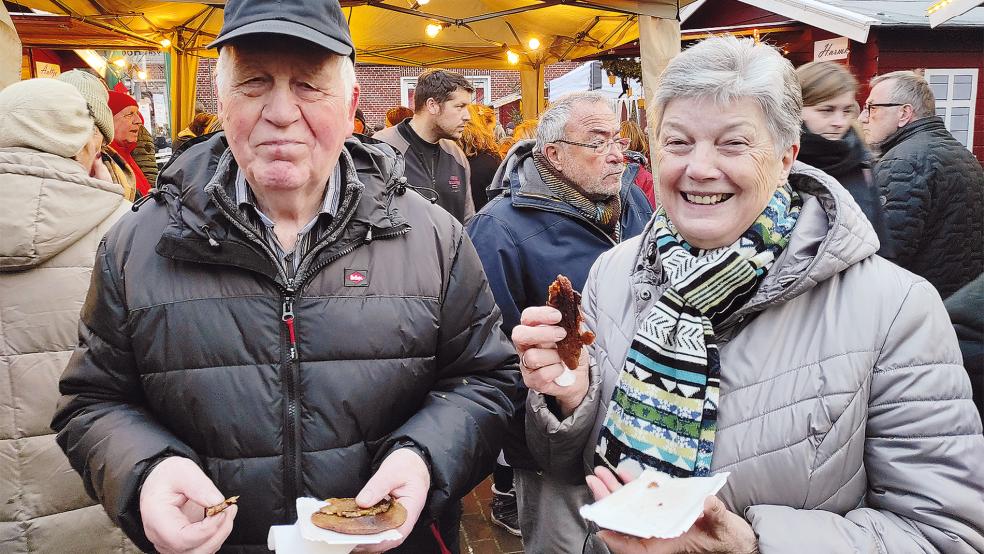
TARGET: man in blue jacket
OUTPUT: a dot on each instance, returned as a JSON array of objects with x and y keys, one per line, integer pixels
[{"x": 561, "y": 203}]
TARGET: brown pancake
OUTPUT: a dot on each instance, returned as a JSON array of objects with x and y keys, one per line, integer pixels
[
  {"x": 394, "y": 516},
  {"x": 562, "y": 296}
]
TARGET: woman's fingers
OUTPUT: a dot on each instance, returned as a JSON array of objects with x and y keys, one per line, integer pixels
[
  {"x": 539, "y": 315},
  {"x": 524, "y": 336},
  {"x": 608, "y": 478}
]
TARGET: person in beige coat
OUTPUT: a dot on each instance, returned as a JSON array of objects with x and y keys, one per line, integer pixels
[
  {"x": 752, "y": 329},
  {"x": 52, "y": 218}
]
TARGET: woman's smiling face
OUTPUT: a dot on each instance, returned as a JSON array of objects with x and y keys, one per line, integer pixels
[{"x": 718, "y": 168}]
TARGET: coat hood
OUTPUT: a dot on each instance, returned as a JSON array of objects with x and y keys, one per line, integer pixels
[{"x": 50, "y": 202}]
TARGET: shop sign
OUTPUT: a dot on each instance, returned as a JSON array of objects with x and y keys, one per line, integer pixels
[{"x": 833, "y": 49}]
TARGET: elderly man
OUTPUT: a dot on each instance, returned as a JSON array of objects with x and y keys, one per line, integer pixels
[
  {"x": 562, "y": 203},
  {"x": 427, "y": 141},
  {"x": 258, "y": 328},
  {"x": 933, "y": 187}
]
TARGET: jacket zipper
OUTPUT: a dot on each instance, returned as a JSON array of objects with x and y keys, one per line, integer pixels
[{"x": 567, "y": 212}]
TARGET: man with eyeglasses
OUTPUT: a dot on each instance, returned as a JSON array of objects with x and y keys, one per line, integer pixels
[
  {"x": 562, "y": 201},
  {"x": 932, "y": 187}
]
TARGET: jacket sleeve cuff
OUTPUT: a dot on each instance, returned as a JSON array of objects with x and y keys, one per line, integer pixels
[
  {"x": 782, "y": 529},
  {"x": 558, "y": 443}
]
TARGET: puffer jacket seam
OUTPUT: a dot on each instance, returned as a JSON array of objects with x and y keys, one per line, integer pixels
[
  {"x": 845, "y": 483},
  {"x": 940, "y": 363},
  {"x": 923, "y": 437},
  {"x": 183, "y": 300},
  {"x": 778, "y": 408},
  {"x": 761, "y": 454},
  {"x": 863, "y": 423},
  {"x": 875, "y": 369},
  {"x": 371, "y": 297},
  {"x": 815, "y": 362}
]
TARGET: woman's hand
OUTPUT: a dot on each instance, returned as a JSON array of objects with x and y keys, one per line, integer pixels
[
  {"x": 716, "y": 531},
  {"x": 535, "y": 339}
]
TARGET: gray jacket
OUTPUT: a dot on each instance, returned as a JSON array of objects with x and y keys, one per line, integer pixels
[{"x": 845, "y": 416}]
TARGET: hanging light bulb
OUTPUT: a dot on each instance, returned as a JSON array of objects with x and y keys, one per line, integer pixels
[
  {"x": 120, "y": 63},
  {"x": 142, "y": 75},
  {"x": 166, "y": 43},
  {"x": 534, "y": 43},
  {"x": 423, "y": 2},
  {"x": 433, "y": 29},
  {"x": 512, "y": 57}
]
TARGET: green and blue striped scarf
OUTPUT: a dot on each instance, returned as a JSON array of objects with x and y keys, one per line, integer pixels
[{"x": 663, "y": 412}]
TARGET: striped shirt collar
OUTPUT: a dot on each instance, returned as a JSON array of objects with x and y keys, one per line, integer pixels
[{"x": 329, "y": 204}]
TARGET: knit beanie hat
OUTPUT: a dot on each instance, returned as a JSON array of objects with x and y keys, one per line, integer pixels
[
  {"x": 119, "y": 101},
  {"x": 96, "y": 96},
  {"x": 46, "y": 115}
]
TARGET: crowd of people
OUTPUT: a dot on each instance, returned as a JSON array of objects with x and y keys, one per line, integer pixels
[{"x": 784, "y": 284}]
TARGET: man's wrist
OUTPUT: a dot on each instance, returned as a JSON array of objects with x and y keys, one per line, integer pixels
[{"x": 415, "y": 448}]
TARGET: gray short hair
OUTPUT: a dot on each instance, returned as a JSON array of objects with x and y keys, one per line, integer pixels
[
  {"x": 554, "y": 119},
  {"x": 227, "y": 59},
  {"x": 726, "y": 69},
  {"x": 910, "y": 88}
]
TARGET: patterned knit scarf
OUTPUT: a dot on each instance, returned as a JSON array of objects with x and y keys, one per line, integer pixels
[
  {"x": 663, "y": 412},
  {"x": 605, "y": 213}
]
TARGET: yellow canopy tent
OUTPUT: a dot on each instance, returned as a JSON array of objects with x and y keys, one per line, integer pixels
[{"x": 478, "y": 34}]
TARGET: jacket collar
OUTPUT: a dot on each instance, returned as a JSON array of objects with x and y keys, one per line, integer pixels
[
  {"x": 932, "y": 123},
  {"x": 831, "y": 234},
  {"x": 201, "y": 211},
  {"x": 518, "y": 178}
]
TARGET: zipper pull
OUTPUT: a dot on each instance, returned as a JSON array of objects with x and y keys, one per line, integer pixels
[{"x": 288, "y": 318}]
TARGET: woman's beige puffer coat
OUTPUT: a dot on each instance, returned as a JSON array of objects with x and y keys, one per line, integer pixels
[
  {"x": 845, "y": 417},
  {"x": 52, "y": 217}
]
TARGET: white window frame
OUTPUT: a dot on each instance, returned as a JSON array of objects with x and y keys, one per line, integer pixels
[
  {"x": 949, "y": 103},
  {"x": 483, "y": 82}
]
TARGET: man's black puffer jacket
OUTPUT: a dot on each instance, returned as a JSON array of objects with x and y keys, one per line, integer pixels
[
  {"x": 934, "y": 198},
  {"x": 184, "y": 351}
]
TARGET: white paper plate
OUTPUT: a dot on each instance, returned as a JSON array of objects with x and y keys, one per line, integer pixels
[
  {"x": 311, "y": 532},
  {"x": 654, "y": 505}
]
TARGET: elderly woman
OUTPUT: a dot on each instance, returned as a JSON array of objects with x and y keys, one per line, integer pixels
[{"x": 752, "y": 329}]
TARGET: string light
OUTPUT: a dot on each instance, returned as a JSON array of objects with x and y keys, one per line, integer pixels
[
  {"x": 433, "y": 29},
  {"x": 142, "y": 75},
  {"x": 512, "y": 57},
  {"x": 423, "y": 2},
  {"x": 166, "y": 43},
  {"x": 120, "y": 63},
  {"x": 534, "y": 43}
]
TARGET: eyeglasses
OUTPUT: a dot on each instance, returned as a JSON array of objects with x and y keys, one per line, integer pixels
[
  {"x": 868, "y": 106},
  {"x": 621, "y": 144}
]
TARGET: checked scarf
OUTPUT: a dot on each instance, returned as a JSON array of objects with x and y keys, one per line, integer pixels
[{"x": 663, "y": 412}]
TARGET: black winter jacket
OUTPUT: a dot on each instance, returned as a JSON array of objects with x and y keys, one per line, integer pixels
[
  {"x": 934, "y": 201},
  {"x": 184, "y": 350},
  {"x": 525, "y": 236}
]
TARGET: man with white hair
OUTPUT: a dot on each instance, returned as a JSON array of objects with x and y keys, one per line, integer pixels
[
  {"x": 562, "y": 201},
  {"x": 931, "y": 185},
  {"x": 257, "y": 328}
]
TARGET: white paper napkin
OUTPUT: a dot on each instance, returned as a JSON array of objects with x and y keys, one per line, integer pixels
[{"x": 654, "y": 505}]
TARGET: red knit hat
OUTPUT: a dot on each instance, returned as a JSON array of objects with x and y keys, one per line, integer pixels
[{"x": 119, "y": 101}]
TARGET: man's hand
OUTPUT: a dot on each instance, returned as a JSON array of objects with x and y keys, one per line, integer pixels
[
  {"x": 535, "y": 339},
  {"x": 403, "y": 475},
  {"x": 716, "y": 531},
  {"x": 172, "y": 504}
]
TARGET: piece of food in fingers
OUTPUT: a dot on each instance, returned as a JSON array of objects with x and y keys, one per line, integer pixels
[
  {"x": 562, "y": 297},
  {"x": 218, "y": 508},
  {"x": 343, "y": 515}
]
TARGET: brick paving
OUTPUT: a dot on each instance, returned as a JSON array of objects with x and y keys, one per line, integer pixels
[{"x": 478, "y": 534}]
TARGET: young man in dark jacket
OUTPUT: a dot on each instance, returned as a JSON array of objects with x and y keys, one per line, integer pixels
[
  {"x": 427, "y": 141},
  {"x": 285, "y": 319},
  {"x": 933, "y": 187},
  {"x": 564, "y": 199}
]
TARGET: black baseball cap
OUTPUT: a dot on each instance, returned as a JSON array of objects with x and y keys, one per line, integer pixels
[{"x": 317, "y": 21}]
